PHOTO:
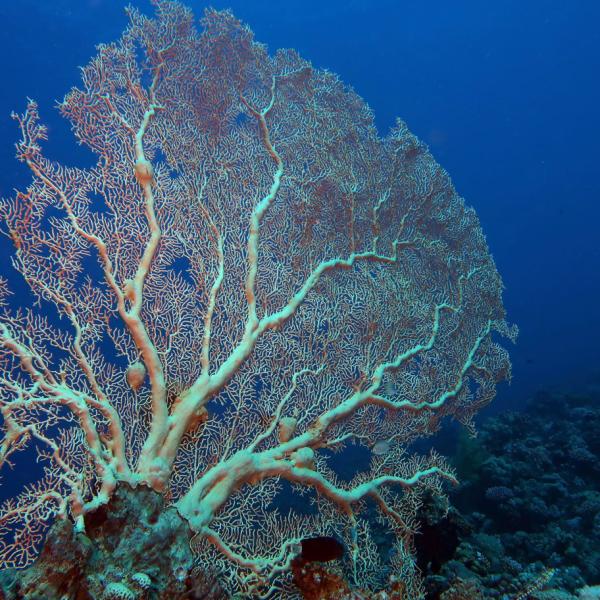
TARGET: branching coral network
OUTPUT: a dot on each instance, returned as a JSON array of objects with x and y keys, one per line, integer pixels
[{"x": 246, "y": 283}]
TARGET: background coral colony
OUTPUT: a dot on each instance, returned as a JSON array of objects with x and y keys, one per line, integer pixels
[{"x": 504, "y": 95}]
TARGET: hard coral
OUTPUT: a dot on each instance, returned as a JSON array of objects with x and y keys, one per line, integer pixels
[
  {"x": 118, "y": 591},
  {"x": 130, "y": 545},
  {"x": 463, "y": 590}
]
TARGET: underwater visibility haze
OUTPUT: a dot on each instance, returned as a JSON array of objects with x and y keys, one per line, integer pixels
[{"x": 298, "y": 300}]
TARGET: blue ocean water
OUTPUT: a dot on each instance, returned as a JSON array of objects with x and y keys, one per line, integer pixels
[{"x": 506, "y": 94}]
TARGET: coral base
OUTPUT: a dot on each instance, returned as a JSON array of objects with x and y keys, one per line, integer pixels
[{"x": 133, "y": 548}]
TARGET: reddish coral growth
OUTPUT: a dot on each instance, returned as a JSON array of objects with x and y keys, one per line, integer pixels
[{"x": 315, "y": 582}]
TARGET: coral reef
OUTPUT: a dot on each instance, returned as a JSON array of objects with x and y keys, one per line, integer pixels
[{"x": 526, "y": 520}]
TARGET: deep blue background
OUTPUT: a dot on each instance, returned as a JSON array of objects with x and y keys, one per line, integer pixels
[{"x": 505, "y": 93}]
